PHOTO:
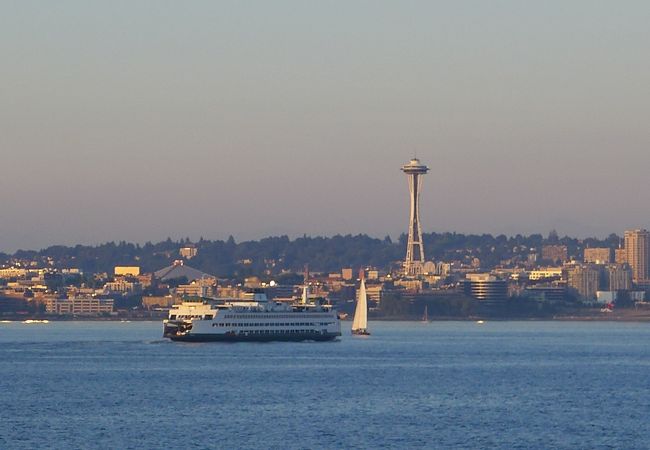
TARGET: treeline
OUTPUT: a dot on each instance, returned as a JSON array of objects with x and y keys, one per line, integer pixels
[{"x": 227, "y": 258}]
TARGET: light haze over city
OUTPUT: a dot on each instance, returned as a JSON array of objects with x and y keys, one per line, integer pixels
[{"x": 141, "y": 120}]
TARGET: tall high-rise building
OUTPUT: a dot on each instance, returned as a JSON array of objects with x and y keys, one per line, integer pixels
[
  {"x": 584, "y": 280},
  {"x": 620, "y": 277},
  {"x": 414, "y": 247},
  {"x": 637, "y": 252}
]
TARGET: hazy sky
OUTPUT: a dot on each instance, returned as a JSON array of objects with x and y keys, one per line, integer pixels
[{"x": 139, "y": 120}]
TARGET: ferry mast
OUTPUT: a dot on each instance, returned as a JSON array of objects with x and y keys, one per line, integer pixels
[{"x": 414, "y": 248}]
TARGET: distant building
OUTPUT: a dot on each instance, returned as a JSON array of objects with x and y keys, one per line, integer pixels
[
  {"x": 252, "y": 282},
  {"x": 411, "y": 285},
  {"x": 195, "y": 289},
  {"x": 637, "y": 252},
  {"x": 547, "y": 273},
  {"x": 373, "y": 274},
  {"x": 347, "y": 273},
  {"x": 620, "y": 277},
  {"x": 373, "y": 291},
  {"x": 123, "y": 286},
  {"x": 606, "y": 297},
  {"x": 584, "y": 279},
  {"x": 280, "y": 291},
  {"x": 180, "y": 270},
  {"x": 550, "y": 294},
  {"x": 555, "y": 253},
  {"x": 600, "y": 255},
  {"x": 166, "y": 301},
  {"x": 125, "y": 271},
  {"x": 188, "y": 251},
  {"x": 486, "y": 288},
  {"x": 145, "y": 280},
  {"x": 81, "y": 306},
  {"x": 619, "y": 256},
  {"x": 13, "y": 272}
]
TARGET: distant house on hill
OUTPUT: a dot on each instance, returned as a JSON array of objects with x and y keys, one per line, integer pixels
[{"x": 179, "y": 270}]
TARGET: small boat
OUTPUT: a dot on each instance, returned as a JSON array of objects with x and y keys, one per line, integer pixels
[
  {"x": 360, "y": 322},
  {"x": 35, "y": 321},
  {"x": 480, "y": 322}
]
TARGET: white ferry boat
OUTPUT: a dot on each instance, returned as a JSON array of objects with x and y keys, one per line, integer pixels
[{"x": 253, "y": 318}]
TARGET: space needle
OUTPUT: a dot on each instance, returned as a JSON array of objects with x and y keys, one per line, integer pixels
[{"x": 414, "y": 248}]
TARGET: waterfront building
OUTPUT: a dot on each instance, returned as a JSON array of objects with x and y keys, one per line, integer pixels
[
  {"x": 555, "y": 253},
  {"x": 414, "y": 247},
  {"x": 584, "y": 279},
  {"x": 486, "y": 288},
  {"x": 598, "y": 255},
  {"x": 637, "y": 251},
  {"x": 79, "y": 306},
  {"x": 549, "y": 294},
  {"x": 606, "y": 297}
]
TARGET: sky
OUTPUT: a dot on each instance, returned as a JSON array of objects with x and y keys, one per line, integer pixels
[{"x": 136, "y": 121}]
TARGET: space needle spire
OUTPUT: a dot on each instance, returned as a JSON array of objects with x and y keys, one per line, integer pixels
[{"x": 414, "y": 248}]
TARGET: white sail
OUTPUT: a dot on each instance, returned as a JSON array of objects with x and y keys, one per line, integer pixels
[
  {"x": 305, "y": 295},
  {"x": 360, "y": 321}
]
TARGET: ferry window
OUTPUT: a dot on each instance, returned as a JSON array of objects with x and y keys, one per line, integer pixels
[
  {"x": 208, "y": 317},
  {"x": 172, "y": 317}
]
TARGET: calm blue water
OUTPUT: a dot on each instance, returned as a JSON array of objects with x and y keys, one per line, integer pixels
[{"x": 409, "y": 385}]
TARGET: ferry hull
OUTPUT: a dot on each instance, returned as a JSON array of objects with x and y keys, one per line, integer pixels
[
  {"x": 209, "y": 337},
  {"x": 361, "y": 332}
]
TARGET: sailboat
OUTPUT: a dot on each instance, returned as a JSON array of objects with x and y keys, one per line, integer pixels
[
  {"x": 360, "y": 322},
  {"x": 425, "y": 316}
]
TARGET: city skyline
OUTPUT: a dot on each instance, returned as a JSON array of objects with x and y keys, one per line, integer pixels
[{"x": 214, "y": 119}]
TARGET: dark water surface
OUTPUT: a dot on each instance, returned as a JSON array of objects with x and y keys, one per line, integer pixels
[{"x": 409, "y": 385}]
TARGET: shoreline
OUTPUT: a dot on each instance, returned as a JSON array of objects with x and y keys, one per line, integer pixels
[{"x": 574, "y": 316}]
